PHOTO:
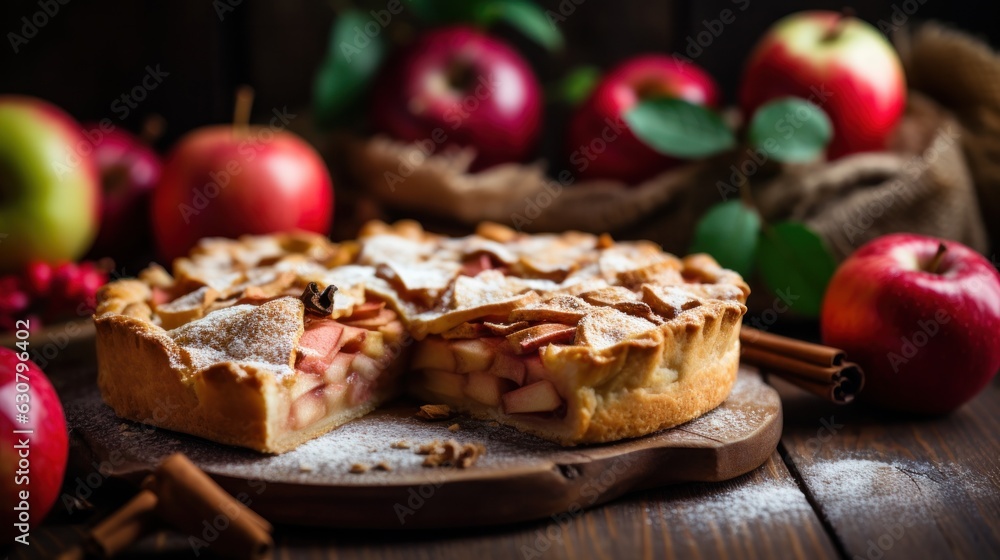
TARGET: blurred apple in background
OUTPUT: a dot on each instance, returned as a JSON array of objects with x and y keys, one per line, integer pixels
[
  {"x": 229, "y": 181},
  {"x": 49, "y": 187},
  {"x": 600, "y": 118},
  {"x": 923, "y": 325},
  {"x": 840, "y": 63},
  {"x": 129, "y": 171},
  {"x": 458, "y": 87},
  {"x": 48, "y": 445}
]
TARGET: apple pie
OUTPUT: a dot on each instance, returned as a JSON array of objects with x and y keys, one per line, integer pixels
[{"x": 268, "y": 341}]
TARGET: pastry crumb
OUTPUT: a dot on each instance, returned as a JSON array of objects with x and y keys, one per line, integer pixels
[
  {"x": 401, "y": 444},
  {"x": 454, "y": 428},
  {"x": 435, "y": 412},
  {"x": 358, "y": 468},
  {"x": 451, "y": 453},
  {"x": 304, "y": 467},
  {"x": 383, "y": 466}
]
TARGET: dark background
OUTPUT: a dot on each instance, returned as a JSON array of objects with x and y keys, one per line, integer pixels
[{"x": 91, "y": 52}]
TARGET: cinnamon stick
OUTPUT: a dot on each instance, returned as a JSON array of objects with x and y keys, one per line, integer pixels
[
  {"x": 123, "y": 527},
  {"x": 785, "y": 346},
  {"x": 820, "y": 370},
  {"x": 193, "y": 503}
]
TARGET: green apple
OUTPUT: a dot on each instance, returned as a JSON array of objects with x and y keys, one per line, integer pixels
[{"x": 49, "y": 186}]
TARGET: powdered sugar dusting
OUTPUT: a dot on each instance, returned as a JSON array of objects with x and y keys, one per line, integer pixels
[
  {"x": 890, "y": 489},
  {"x": 262, "y": 335},
  {"x": 368, "y": 440},
  {"x": 769, "y": 502}
]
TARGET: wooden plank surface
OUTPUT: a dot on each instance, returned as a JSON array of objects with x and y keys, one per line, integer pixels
[
  {"x": 894, "y": 486},
  {"x": 948, "y": 469},
  {"x": 762, "y": 514}
]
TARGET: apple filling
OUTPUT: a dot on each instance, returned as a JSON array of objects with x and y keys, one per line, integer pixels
[
  {"x": 505, "y": 374},
  {"x": 341, "y": 364}
]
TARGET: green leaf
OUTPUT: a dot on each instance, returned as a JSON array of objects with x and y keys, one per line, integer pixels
[
  {"x": 729, "y": 232},
  {"x": 574, "y": 87},
  {"x": 679, "y": 128},
  {"x": 796, "y": 266},
  {"x": 791, "y": 130},
  {"x": 352, "y": 59},
  {"x": 523, "y": 15}
]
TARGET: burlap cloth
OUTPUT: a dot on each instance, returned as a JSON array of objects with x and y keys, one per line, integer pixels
[{"x": 946, "y": 147}]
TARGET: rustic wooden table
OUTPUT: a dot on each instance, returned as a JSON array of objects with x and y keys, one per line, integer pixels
[{"x": 845, "y": 482}]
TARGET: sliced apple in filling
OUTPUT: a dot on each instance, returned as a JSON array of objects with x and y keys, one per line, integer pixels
[
  {"x": 537, "y": 397},
  {"x": 472, "y": 355},
  {"x": 434, "y": 353},
  {"x": 487, "y": 388},
  {"x": 444, "y": 383},
  {"x": 340, "y": 364},
  {"x": 503, "y": 374}
]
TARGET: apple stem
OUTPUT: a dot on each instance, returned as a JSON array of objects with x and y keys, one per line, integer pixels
[
  {"x": 241, "y": 113},
  {"x": 846, "y": 13},
  {"x": 938, "y": 257},
  {"x": 152, "y": 129}
]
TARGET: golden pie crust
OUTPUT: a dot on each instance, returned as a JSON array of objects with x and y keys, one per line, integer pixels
[{"x": 572, "y": 337}]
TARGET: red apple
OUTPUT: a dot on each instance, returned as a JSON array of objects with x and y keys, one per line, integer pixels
[
  {"x": 49, "y": 189},
  {"x": 226, "y": 181},
  {"x": 32, "y": 464},
  {"x": 841, "y": 64},
  {"x": 129, "y": 171},
  {"x": 458, "y": 87},
  {"x": 925, "y": 332},
  {"x": 601, "y": 145}
]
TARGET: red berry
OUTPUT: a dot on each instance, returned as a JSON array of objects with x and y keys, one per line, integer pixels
[
  {"x": 66, "y": 281},
  {"x": 38, "y": 278},
  {"x": 91, "y": 280},
  {"x": 13, "y": 302}
]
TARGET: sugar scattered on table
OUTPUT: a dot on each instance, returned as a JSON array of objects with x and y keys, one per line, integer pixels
[{"x": 899, "y": 490}]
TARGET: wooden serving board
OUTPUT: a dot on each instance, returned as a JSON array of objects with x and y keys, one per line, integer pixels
[{"x": 520, "y": 477}]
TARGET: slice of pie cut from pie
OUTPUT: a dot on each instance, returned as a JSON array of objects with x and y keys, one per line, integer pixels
[{"x": 268, "y": 341}]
